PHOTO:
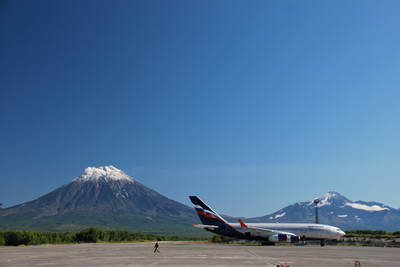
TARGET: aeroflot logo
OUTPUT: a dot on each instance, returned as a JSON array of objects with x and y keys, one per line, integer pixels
[{"x": 206, "y": 214}]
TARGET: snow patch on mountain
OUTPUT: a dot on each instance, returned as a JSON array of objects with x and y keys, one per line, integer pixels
[
  {"x": 325, "y": 199},
  {"x": 366, "y": 207},
  {"x": 343, "y": 216},
  {"x": 106, "y": 173},
  {"x": 278, "y": 216}
]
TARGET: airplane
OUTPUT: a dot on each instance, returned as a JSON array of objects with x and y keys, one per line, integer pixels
[{"x": 267, "y": 233}]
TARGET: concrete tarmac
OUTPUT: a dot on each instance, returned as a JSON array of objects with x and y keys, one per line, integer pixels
[{"x": 195, "y": 254}]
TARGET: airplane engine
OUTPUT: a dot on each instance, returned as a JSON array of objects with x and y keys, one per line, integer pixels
[
  {"x": 294, "y": 239},
  {"x": 284, "y": 238}
]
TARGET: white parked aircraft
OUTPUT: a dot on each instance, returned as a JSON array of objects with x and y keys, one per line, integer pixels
[{"x": 264, "y": 232}]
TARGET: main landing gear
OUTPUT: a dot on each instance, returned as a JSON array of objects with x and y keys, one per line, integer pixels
[
  {"x": 302, "y": 241},
  {"x": 322, "y": 243}
]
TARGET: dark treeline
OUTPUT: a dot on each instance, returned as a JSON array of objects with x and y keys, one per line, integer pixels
[
  {"x": 90, "y": 235},
  {"x": 222, "y": 239},
  {"x": 93, "y": 235},
  {"x": 372, "y": 233}
]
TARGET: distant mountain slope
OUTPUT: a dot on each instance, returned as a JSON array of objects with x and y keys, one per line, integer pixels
[
  {"x": 104, "y": 197},
  {"x": 335, "y": 209}
]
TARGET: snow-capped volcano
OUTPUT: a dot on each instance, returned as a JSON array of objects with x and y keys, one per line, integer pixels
[
  {"x": 102, "y": 196},
  {"x": 335, "y": 209},
  {"x": 330, "y": 198},
  {"x": 106, "y": 173},
  {"x": 336, "y": 199}
]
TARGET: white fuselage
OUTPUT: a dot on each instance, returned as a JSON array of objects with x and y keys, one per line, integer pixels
[{"x": 310, "y": 231}]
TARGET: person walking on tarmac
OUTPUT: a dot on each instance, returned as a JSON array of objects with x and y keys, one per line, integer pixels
[{"x": 156, "y": 247}]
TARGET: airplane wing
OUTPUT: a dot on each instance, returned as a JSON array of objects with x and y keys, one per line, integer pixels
[
  {"x": 266, "y": 232},
  {"x": 257, "y": 231},
  {"x": 205, "y": 226}
]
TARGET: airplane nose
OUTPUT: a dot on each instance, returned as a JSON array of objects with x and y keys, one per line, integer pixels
[{"x": 341, "y": 233}]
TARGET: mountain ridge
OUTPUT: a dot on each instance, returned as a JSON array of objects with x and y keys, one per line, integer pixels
[
  {"x": 105, "y": 197},
  {"x": 108, "y": 198},
  {"x": 337, "y": 210}
]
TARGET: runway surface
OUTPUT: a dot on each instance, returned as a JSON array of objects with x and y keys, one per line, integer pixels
[{"x": 195, "y": 254}]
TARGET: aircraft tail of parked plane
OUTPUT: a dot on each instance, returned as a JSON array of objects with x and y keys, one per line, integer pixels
[
  {"x": 206, "y": 214},
  {"x": 264, "y": 232},
  {"x": 211, "y": 220}
]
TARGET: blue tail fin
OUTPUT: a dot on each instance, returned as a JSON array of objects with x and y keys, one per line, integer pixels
[{"x": 206, "y": 214}]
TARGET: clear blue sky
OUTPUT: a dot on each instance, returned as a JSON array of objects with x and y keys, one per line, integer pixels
[{"x": 252, "y": 105}]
